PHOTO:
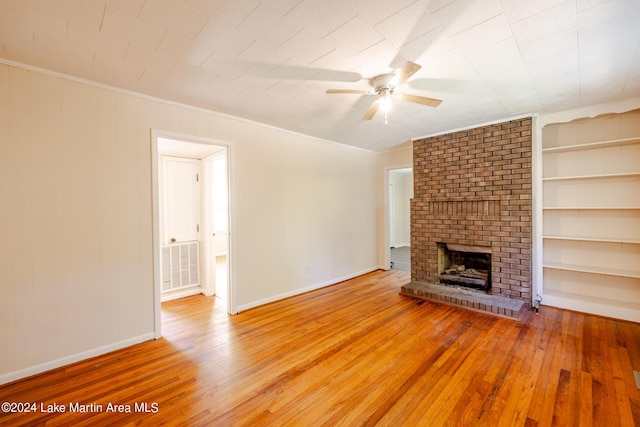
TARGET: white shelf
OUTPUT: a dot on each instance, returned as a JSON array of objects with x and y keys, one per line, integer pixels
[
  {"x": 600, "y": 306},
  {"x": 593, "y": 208},
  {"x": 593, "y": 270},
  {"x": 589, "y": 146},
  {"x": 592, "y": 239},
  {"x": 611, "y": 175},
  {"x": 591, "y": 215}
]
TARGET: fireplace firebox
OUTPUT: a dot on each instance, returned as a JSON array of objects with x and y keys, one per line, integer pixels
[{"x": 464, "y": 265}]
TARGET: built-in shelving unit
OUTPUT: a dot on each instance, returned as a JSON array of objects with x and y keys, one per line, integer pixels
[
  {"x": 591, "y": 239},
  {"x": 611, "y": 175},
  {"x": 594, "y": 270},
  {"x": 559, "y": 208},
  {"x": 591, "y": 215},
  {"x": 592, "y": 145}
]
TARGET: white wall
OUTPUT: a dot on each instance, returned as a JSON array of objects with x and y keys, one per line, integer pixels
[
  {"x": 76, "y": 263},
  {"x": 306, "y": 213},
  {"x": 393, "y": 159},
  {"x": 403, "y": 192}
]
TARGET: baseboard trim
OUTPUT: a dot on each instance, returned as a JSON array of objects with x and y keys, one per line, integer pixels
[
  {"x": 181, "y": 294},
  {"x": 67, "y": 360},
  {"x": 306, "y": 289}
]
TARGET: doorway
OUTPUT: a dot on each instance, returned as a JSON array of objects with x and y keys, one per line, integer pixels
[
  {"x": 400, "y": 192},
  {"x": 191, "y": 226},
  {"x": 218, "y": 235}
]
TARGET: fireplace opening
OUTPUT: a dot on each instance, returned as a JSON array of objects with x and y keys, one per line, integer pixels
[{"x": 464, "y": 265}]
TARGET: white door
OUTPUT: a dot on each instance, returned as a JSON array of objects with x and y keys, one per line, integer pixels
[
  {"x": 181, "y": 199},
  {"x": 180, "y": 253}
]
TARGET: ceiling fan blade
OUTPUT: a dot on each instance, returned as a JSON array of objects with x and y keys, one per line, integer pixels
[
  {"x": 373, "y": 109},
  {"x": 354, "y": 91},
  {"x": 431, "y": 102},
  {"x": 408, "y": 70}
]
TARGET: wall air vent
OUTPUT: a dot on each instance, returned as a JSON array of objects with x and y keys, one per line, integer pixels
[{"x": 180, "y": 266}]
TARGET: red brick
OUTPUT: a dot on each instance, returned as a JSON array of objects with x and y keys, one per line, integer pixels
[{"x": 475, "y": 175}]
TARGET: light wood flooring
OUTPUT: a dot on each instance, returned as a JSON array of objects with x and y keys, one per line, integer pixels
[{"x": 356, "y": 353}]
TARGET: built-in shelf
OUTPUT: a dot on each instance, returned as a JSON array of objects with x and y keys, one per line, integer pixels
[
  {"x": 611, "y": 175},
  {"x": 603, "y": 306},
  {"x": 593, "y": 239},
  {"x": 592, "y": 145},
  {"x": 597, "y": 185},
  {"x": 593, "y": 270},
  {"x": 606, "y": 301},
  {"x": 595, "y": 208}
]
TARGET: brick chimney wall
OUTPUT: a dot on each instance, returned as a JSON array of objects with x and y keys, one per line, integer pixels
[{"x": 473, "y": 187}]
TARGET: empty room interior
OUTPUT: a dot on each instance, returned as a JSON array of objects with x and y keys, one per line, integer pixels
[{"x": 306, "y": 212}]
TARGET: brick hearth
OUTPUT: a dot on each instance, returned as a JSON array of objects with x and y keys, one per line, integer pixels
[
  {"x": 473, "y": 187},
  {"x": 466, "y": 298}
]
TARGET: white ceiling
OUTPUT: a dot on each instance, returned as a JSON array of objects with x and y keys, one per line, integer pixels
[{"x": 272, "y": 60}]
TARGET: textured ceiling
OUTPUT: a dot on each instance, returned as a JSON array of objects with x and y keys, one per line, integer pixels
[{"x": 272, "y": 60}]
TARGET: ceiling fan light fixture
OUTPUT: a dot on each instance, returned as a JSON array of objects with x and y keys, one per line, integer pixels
[
  {"x": 384, "y": 86},
  {"x": 385, "y": 103}
]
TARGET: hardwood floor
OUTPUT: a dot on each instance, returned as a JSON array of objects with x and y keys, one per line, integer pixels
[{"x": 356, "y": 353}]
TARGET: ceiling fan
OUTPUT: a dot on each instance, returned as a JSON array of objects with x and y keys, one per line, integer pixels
[{"x": 385, "y": 86}]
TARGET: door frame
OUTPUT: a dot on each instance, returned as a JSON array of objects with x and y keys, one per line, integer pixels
[
  {"x": 392, "y": 215},
  {"x": 231, "y": 296},
  {"x": 211, "y": 237},
  {"x": 387, "y": 213}
]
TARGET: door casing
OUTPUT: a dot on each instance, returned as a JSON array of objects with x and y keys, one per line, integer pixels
[{"x": 228, "y": 146}]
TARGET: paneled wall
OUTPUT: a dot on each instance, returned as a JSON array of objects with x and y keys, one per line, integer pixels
[
  {"x": 76, "y": 259},
  {"x": 76, "y": 249}
]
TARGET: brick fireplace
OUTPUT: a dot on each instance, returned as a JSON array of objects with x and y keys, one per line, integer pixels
[{"x": 473, "y": 188}]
